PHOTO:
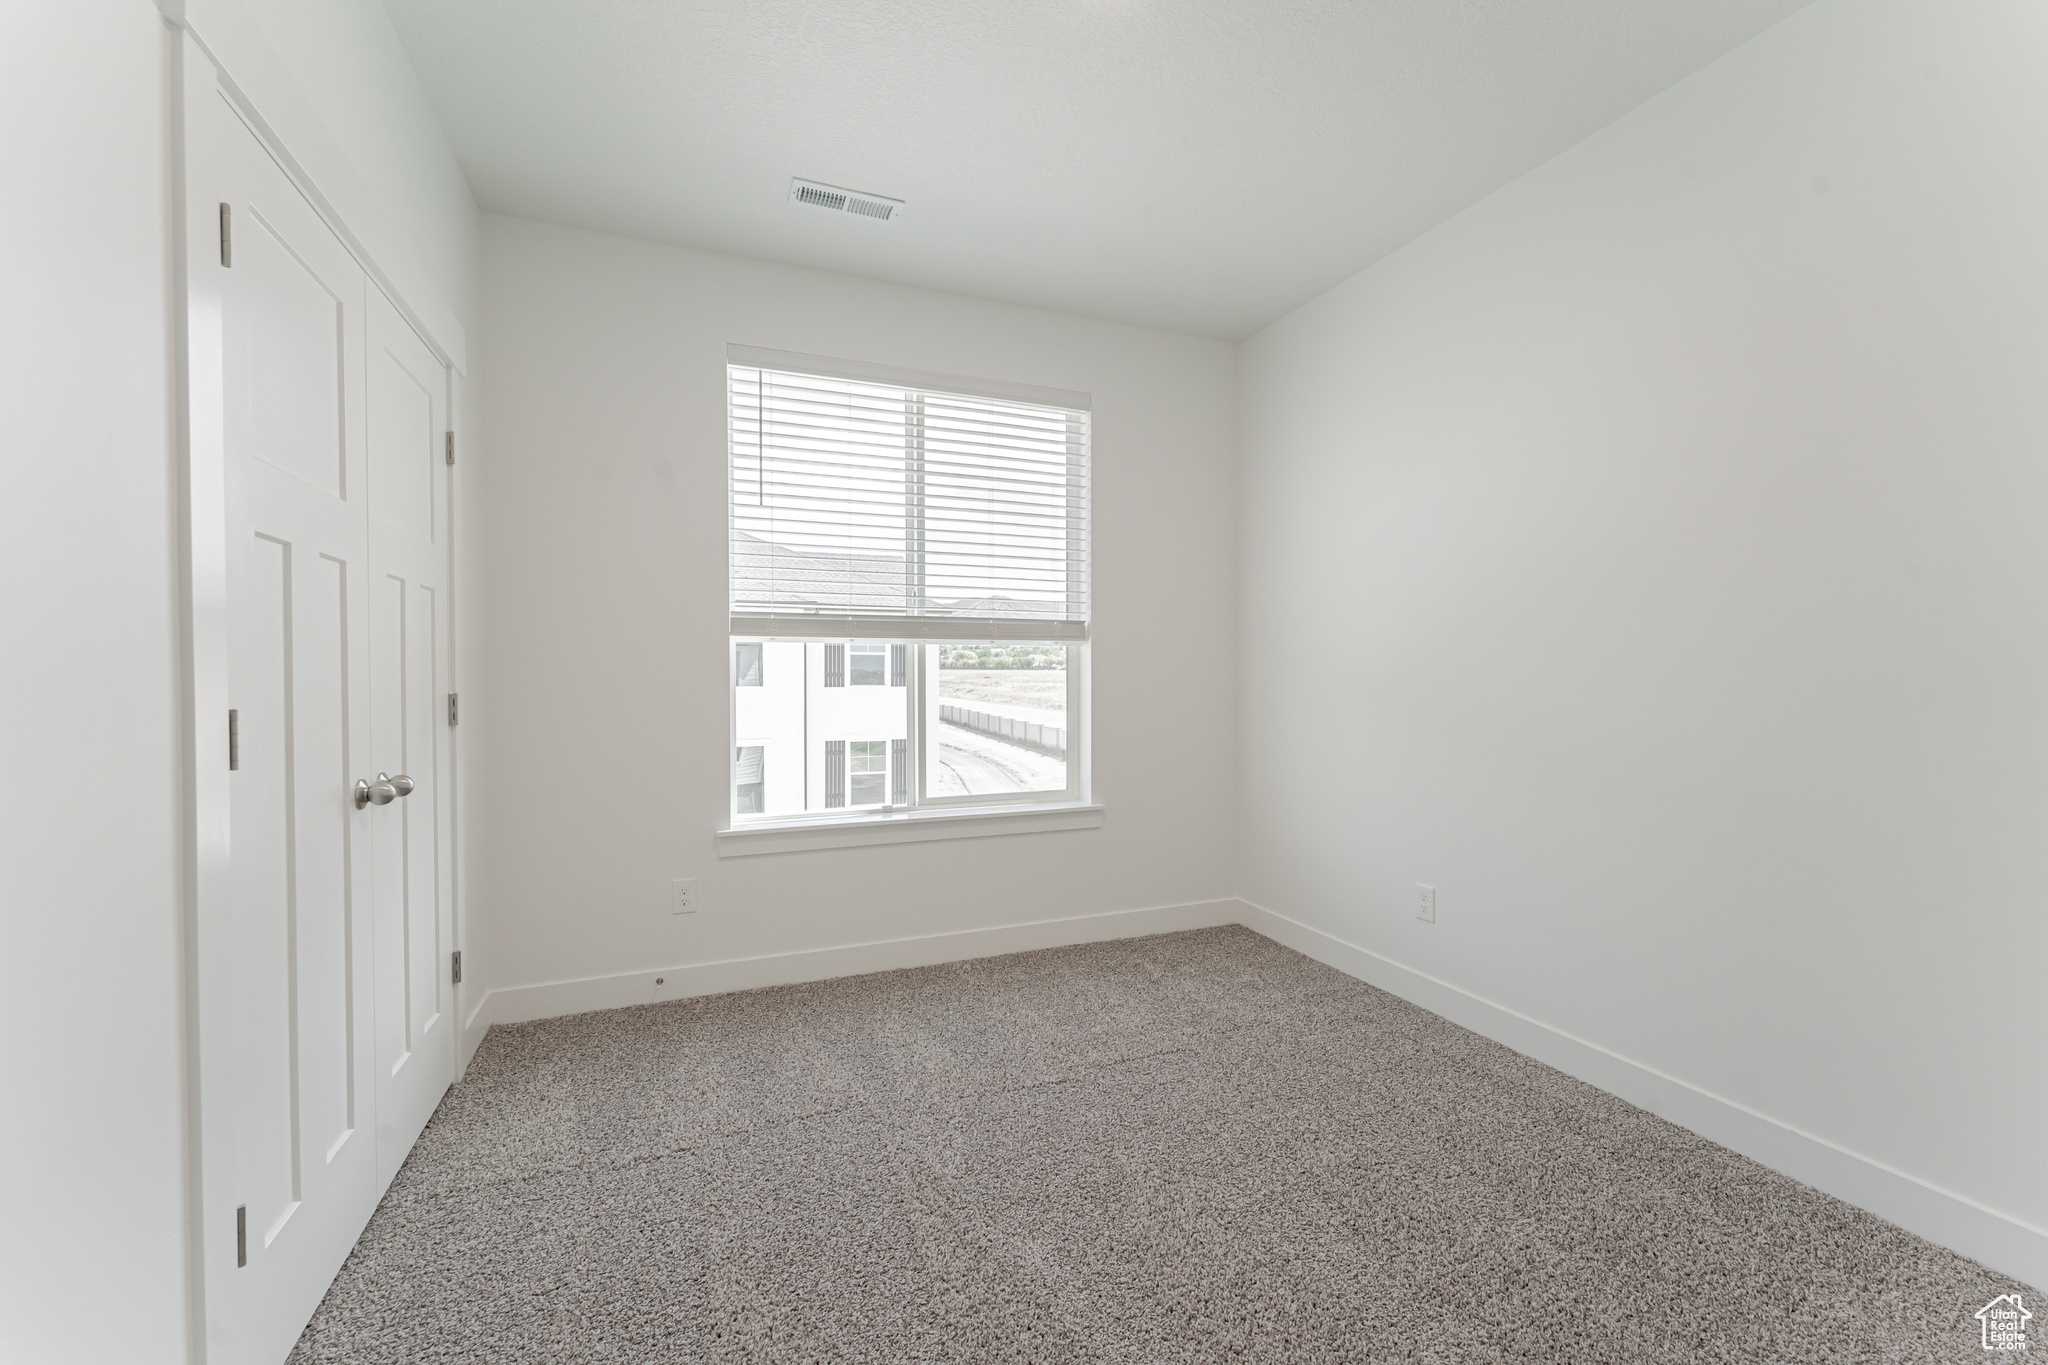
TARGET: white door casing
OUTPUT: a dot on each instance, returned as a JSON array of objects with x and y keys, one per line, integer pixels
[
  {"x": 409, "y": 660},
  {"x": 285, "y": 974}
]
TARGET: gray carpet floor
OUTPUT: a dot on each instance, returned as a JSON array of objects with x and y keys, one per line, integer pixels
[{"x": 1195, "y": 1147}]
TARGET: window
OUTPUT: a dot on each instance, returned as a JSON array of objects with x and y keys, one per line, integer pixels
[
  {"x": 751, "y": 790},
  {"x": 870, "y": 666},
  {"x": 867, "y": 762},
  {"x": 1002, "y": 713},
  {"x": 909, "y": 577}
]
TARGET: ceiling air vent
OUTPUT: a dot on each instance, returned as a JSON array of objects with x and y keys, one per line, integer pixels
[{"x": 832, "y": 199}]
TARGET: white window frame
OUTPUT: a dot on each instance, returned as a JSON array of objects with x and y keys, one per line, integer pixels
[{"x": 927, "y": 817}]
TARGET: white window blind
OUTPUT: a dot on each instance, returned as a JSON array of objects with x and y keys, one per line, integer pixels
[{"x": 863, "y": 508}]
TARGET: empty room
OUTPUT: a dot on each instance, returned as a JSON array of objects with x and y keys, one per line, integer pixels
[{"x": 1028, "y": 680}]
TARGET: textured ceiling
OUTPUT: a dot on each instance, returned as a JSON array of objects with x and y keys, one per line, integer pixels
[{"x": 1198, "y": 165}]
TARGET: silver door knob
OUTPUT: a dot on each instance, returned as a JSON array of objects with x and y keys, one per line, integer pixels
[{"x": 383, "y": 791}]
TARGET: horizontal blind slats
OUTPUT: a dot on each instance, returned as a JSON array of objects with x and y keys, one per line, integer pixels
[
  {"x": 871, "y": 424},
  {"x": 864, "y": 506},
  {"x": 823, "y": 626},
  {"x": 856, "y": 487},
  {"x": 798, "y": 392}
]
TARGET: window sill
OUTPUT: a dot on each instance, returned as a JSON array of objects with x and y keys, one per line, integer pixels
[{"x": 904, "y": 827}]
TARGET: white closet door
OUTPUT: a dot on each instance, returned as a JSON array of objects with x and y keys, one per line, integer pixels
[
  {"x": 409, "y": 662},
  {"x": 287, "y": 1050}
]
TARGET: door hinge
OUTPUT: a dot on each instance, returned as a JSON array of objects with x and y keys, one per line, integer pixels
[
  {"x": 234, "y": 741},
  {"x": 241, "y": 1236},
  {"x": 451, "y": 447},
  {"x": 454, "y": 709},
  {"x": 455, "y": 967},
  {"x": 227, "y": 236}
]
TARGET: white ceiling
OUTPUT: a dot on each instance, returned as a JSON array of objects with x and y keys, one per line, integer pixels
[{"x": 1197, "y": 165}]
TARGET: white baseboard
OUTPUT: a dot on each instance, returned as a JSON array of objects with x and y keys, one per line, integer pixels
[
  {"x": 516, "y": 1004},
  {"x": 2003, "y": 1243}
]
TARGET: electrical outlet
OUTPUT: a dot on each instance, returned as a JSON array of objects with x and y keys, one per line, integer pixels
[
  {"x": 683, "y": 897},
  {"x": 1425, "y": 903}
]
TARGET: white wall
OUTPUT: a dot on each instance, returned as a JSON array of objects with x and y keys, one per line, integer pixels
[
  {"x": 1654, "y": 559},
  {"x": 605, "y": 408},
  {"x": 91, "y": 1155},
  {"x": 346, "y": 59}
]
